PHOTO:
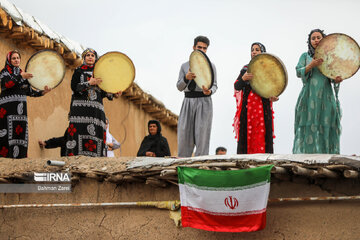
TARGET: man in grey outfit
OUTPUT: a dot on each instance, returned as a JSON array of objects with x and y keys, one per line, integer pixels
[{"x": 194, "y": 126}]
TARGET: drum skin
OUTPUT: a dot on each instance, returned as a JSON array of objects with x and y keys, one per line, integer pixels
[
  {"x": 116, "y": 70},
  {"x": 341, "y": 55},
  {"x": 47, "y": 68},
  {"x": 269, "y": 75},
  {"x": 201, "y": 66}
]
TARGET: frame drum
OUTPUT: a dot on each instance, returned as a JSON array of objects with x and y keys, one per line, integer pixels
[
  {"x": 201, "y": 66},
  {"x": 269, "y": 75},
  {"x": 116, "y": 70},
  {"x": 341, "y": 55},
  {"x": 47, "y": 68}
]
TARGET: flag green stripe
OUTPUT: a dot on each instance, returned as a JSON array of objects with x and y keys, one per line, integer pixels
[{"x": 224, "y": 179}]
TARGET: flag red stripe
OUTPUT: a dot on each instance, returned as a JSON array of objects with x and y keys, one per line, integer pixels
[{"x": 209, "y": 222}]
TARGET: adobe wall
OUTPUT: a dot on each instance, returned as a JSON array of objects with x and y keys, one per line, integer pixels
[
  {"x": 47, "y": 115},
  {"x": 302, "y": 220}
]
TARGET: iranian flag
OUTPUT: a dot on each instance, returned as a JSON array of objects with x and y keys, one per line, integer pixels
[{"x": 224, "y": 201}]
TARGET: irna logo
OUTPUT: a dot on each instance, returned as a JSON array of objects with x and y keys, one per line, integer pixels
[{"x": 52, "y": 177}]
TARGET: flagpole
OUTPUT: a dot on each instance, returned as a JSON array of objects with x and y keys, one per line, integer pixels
[{"x": 170, "y": 205}]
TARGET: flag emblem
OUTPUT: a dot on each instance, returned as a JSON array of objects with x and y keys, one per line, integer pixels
[{"x": 231, "y": 202}]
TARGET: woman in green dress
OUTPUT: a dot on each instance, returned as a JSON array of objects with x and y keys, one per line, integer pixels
[{"x": 317, "y": 113}]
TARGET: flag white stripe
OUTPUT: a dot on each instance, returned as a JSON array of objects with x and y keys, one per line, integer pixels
[
  {"x": 226, "y": 188},
  {"x": 252, "y": 199}
]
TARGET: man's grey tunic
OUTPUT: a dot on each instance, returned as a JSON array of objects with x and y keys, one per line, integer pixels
[{"x": 194, "y": 126}]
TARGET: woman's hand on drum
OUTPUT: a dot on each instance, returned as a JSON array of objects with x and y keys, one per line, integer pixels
[
  {"x": 313, "y": 63},
  {"x": 26, "y": 75},
  {"x": 206, "y": 91},
  {"x": 46, "y": 90},
  {"x": 338, "y": 79},
  {"x": 316, "y": 62},
  {"x": 273, "y": 99},
  {"x": 190, "y": 76},
  {"x": 247, "y": 76},
  {"x": 95, "y": 81}
]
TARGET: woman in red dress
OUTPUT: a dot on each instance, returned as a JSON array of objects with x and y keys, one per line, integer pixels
[{"x": 253, "y": 122}]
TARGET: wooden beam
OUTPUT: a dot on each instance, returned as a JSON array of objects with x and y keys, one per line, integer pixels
[
  {"x": 128, "y": 92},
  {"x": 129, "y": 178},
  {"x": 279, "y": 170},
  {"x": 3, "y": 18},
  {"x": 70, "y": 56},
  {"x": 161, "y": 114},
  {"x": 328, "y": 173},
  {"x": 52, "y": 44},
  {"x": 140, "y": 101},
  {"x": 137, "y": 94},
  {"x": 167, "y": 172},
  {"x": 36, "y": 40},
  {"x": 156, "y": 109},
  {"x": 17, "y": 32},
  {"x": 149, "y": 106},
  {"x": 17, "y": 29},
  {"x": 10, "y": 23},
  {"x": 30, "y": 33},
  {"x": 156, "y": 182},
  {"x": 118, "y": 178},
  {"x": 302, "y": 171},
  {"x": 338, "y": 167},
  {"x": 46, "y": 41},
  {"x": 59, "y": 48},
  {"x": 351, "y": 174}
]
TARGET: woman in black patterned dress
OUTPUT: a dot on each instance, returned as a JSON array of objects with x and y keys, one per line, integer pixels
[
  {"x": 13, "y": 111},
  {"x": 86, "y": 134}
]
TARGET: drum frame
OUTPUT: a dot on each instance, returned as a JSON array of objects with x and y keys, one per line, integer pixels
[
  {"x": 279, "y": 60},
  {"x": 211, "y": 68},
  {"x": 343, "y": 35},
  {"x": 132, "y": 64},
  {"x": 47, "y": 50}
]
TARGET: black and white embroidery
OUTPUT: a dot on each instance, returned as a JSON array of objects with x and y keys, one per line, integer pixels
[
  {"x": 92, "y": 94},
  {"x": 71, "y": 144},
  {"x": 13, "y": 121},
  {"x": 83, "y": 140},
  {"x": 18, "y": 142},
  {"x": 3, "y": 132},
  {"x": 87, "y": 120},
  {"x": 20, "y": 108},
  {"x": 16, "y": 151},
  {"x": 86, "y": 103},
  {"x": 4, "y": 74},
  {"x": 82, "y": 78},
  {"x": 91, "y": 129},
  {"x": 13, "y": 98}
]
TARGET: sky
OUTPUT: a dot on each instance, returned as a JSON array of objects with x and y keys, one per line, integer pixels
[{"x": 158, "y": 36}]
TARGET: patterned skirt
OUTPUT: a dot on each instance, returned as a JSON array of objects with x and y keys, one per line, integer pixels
[
  {"x": 13, "y": 126},
  {"x": 86, "y": 134}
]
